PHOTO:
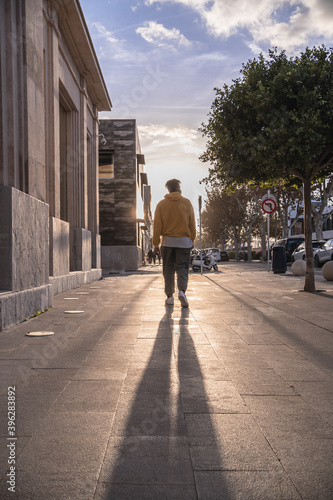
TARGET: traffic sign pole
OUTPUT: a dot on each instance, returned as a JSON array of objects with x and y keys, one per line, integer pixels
[
  {"x": 268, "y": 230},
  {"x": 200, "y": 207},
  {"x": 268, "y": 204}
]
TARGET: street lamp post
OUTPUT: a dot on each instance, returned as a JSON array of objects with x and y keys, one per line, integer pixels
[{"x": 200, "y": 206}]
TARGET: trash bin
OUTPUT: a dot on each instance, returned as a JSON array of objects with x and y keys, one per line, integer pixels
[{"x": 279, "y": 262}]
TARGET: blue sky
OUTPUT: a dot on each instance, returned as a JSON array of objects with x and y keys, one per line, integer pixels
[{"x": 162, "y": 59}]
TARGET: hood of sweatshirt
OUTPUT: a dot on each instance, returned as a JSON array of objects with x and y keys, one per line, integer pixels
[{"x": 176, "y": 196}]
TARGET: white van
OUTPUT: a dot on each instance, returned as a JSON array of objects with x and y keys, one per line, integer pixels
[{"x": 215, "y": 252}]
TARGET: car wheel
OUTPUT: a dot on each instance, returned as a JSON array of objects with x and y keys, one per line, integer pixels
[{"x": 316, "y": 261}]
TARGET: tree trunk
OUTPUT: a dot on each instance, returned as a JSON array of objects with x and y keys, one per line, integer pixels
[
  {"x": 249, "y": 242},
  {"x": 285, "y": 228},
  {"x": 318, "y": 224},
  {"x": 309, "y": 285},
  {"x": 263, "y": 246}
]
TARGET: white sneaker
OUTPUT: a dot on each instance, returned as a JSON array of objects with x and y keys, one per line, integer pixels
[
  {"x": 183, "y": 299},
  {"x": 170, "y": 301}
]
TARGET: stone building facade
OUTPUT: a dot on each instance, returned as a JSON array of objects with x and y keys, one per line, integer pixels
[
  {"x": 51, "y": 92},
  {"x": 125, "y": 198}
]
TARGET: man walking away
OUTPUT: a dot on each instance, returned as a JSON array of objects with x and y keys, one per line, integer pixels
[{"x": 174, "y": 221}]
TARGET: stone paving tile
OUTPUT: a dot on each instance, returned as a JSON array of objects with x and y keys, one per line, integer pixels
[
  {"x": 221, "y": 334},
  {"x": 11, "y": 341},
  {"x": 4, "y": 455},
  {"x": 240, "y": 356},
  {"x": 151, "y": 380},
  {"x": 290, "y": 365},
  {"x": 35, "y": 399},
  {"x": 36, "y": 486},
  {"x": 319, "y": 395},
  {"x": 212, "y": 396},
  {"x": 267, "y": 328},
  {"x": 68, "y": 444},
  {"x": 258, "y": 338},
  {"x": 246, "y": 318},
  {"x": 209, "y": 322},
  {"x": 147, "y": 460},
  {"x": 32, "y": 409},
  {"x": 145, "y": 414},
  {"x": 154, "y": 333},
  {"x": 287, "y": 417},
  {"x": 89, "y": 396},
  {"x": 228, "y": 442},
  {"x": 248, "y": 485},
  {"x": 324, "y": 321},
  {"x": 309, "y": 465},
  {"x": 148, "y": 345},
  {"x": 111, "y": 339},
  {"x": 13, "y": 372},
  {"x": 106, "y": 362},
  {"x": 262, "y": 381},
  {"x": 160, "y": 362},
  {"x": 186, "y": 349},
  {"x": 111, "y": 374},
  {"x": 214, "y": 370},
  {"x": 109, "y": 351},
  {"x": 54, "y": 358},
  {"x": 105, "y": 491}
]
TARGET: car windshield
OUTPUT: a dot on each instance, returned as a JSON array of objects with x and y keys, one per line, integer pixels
[{"x": 317, "y": 244}]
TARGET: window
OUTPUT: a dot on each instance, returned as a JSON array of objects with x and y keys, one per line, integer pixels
[
  {"x": 106, "y": 167},
  {"x": 63, "y": 163},
  {"x": 69, "y": 156}
]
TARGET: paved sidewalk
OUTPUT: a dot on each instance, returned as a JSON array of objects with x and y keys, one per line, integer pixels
[{"x": 130, "y": 399}]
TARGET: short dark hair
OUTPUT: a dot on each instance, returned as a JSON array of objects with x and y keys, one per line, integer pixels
[{"x": 173, "y": 185}]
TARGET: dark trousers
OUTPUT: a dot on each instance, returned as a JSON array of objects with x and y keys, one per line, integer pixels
[{"x": 175, "y": 260}]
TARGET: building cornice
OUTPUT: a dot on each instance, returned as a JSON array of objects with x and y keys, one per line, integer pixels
[{"x": 74, "y": 30}]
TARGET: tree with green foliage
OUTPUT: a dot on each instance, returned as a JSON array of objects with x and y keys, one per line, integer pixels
[
  {"x": 322, "y": 193},
  {"x": 223, "y": 215},
  {"x": 275, "y": 122}
]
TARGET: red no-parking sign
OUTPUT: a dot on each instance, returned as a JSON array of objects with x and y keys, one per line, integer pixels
[{"x": 268, "y": 204}]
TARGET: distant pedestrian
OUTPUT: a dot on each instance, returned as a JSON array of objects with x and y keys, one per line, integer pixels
[
  {"x": 174, "y": 221},
  {"x": 150, "y": 255}
]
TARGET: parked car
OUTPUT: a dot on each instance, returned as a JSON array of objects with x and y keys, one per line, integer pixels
[
  {"x": 299, "y": 252},
  {"x": 224, "y": 255},
  {"x": 243, "y": 254},
  {"x": 324, "y": 254},
  {"x": 290, "y": 244},
  {"x": 216, "y": 253}
]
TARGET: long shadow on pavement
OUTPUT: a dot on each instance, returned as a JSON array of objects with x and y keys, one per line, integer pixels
[{"x": 148, "y": 455}]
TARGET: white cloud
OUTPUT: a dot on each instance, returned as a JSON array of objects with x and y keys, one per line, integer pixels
[
  {"x": 172, "y": 151},
  {"x": 288, "y": 24},
  {"x": 213, "y": 57},
  {"x": 113, "y": 48},
  {"x": 157, "y": 34},
  {"x": 179, "y": 136},
  {"x": 104, "y": 33}
]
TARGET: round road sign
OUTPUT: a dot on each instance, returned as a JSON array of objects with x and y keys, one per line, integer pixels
[
  {"x": 269, "y": 196},
  {"x": 268, "y": 205}
]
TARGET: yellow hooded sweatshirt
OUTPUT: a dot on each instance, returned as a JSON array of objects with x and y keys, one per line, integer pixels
[{"x": 174, "y": 216}]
